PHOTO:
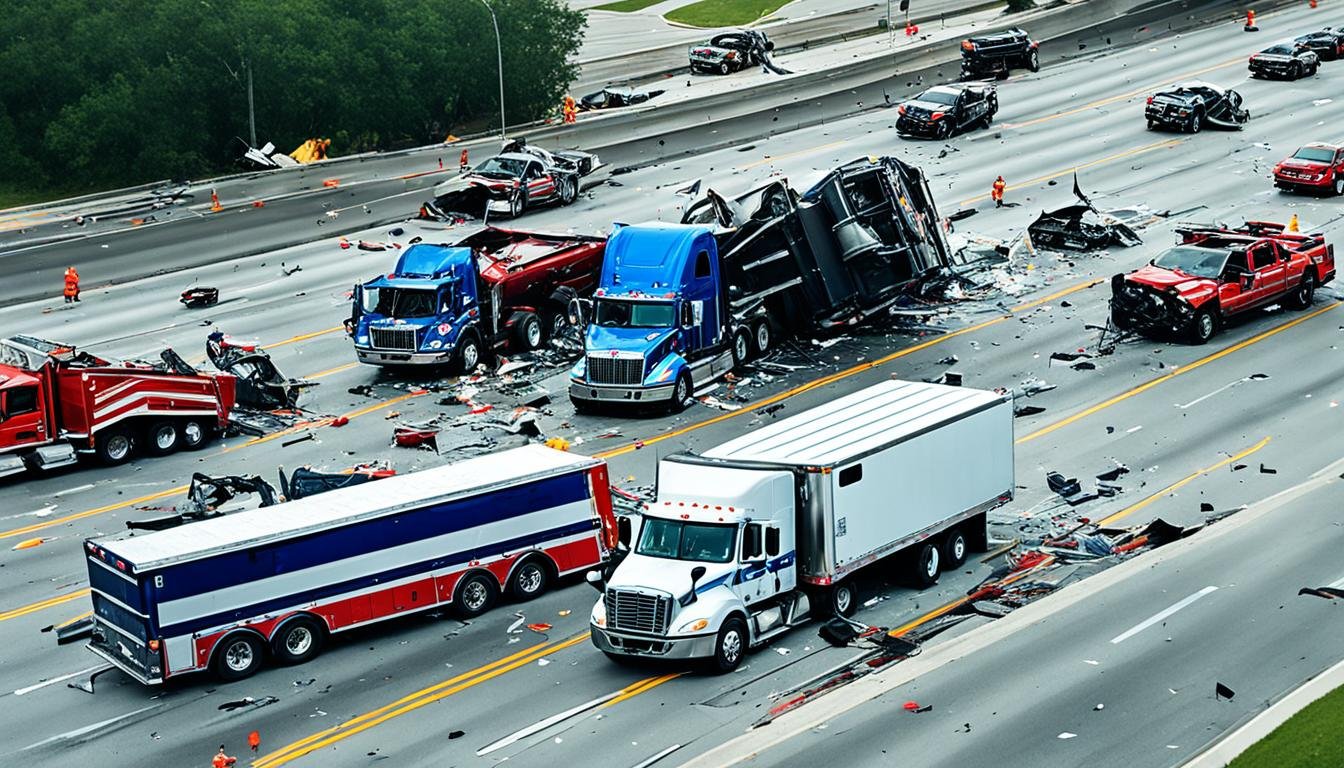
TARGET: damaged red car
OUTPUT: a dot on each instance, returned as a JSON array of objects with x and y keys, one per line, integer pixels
[
  {"x": 1215, "y": 273},
  {"x": 1315, "y": 167}
]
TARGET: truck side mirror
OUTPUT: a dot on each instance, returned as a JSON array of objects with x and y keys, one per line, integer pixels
[
  {"x": 579, "y": 310},
  {"x": 687, "y": 318},
  {"x": 751, "y": 542},
  {"x": 623, "y": 531},
  {"x": 697, "y": 573},
  {"x": 595, "y": 578},
  {"x": 772, "y": 541}
]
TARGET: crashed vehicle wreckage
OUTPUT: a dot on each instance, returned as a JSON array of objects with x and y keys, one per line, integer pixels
[
  {"x": 733, "y": 52},
  {"x": 613, "y": 97},
  {"x": 260, "y": 384},
  {"x": 521, "y": 177},
  {"x": 1080, "y": 227},
  {"x": 1191, "y": 106},
  {"x": 1217, "y": 272},
  {"x": 997, "y": 54}
]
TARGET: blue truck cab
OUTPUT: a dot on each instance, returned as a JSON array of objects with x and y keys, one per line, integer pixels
[
  {"x": 659, "y": 325},
  {"x": 422, "y": 313}
]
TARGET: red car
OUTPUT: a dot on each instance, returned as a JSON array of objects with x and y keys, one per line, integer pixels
[
  {"x": 1317, "y": 167},
  {"x": 1215, "y": 273}
]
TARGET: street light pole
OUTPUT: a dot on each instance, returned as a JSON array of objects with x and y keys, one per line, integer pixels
[
  {"x": 499, "y": 53},
  {"x": 251, "y": 112}
]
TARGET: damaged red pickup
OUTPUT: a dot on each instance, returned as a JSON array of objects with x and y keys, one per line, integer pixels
[{"x": 1215, "y": 273}]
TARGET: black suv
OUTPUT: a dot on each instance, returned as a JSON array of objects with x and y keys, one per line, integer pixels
[
  {"x": 1194, "y": 105},
  {"x": 944, "y": 110},
  {"x": 997, "y": 53}
]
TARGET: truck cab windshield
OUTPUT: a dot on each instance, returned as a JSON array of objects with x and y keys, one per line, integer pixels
[
  {"x": 400, "y": 302},
  {"x": 1193, "y": 260},
  {"x": 679, "y": 540},
  {"x": 614, "y": 313}
]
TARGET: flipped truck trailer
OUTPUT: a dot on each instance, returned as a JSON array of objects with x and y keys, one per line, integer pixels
[
  {"x": 229, "y": 592},
  {"x": 773, "y": 528}
]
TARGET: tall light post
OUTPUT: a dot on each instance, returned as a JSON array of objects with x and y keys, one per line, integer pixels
[{"x": 499, "y": 53}]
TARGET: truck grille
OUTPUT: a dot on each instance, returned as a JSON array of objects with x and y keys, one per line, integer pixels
[
  {"x": 638, "y": 612},
  {"x": 402, "y": 339},
  {"x": 615, "y": 370}
]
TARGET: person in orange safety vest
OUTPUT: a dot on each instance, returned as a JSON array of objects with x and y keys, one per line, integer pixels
[
  {"x": 996, "y": 192},
  {"x": 71, "y": 285},
  {"x": 571, "y": 110},
  {"x": 222, "y": 760}
]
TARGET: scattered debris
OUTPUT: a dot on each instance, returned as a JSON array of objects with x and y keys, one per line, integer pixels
[{"x": 1221, "y": 691}]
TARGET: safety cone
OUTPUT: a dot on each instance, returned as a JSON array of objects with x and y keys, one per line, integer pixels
[
  {"x": 462, "y": 161},
  {"x": 215, "y": 207},
  {"x": 1250, "y": 22},
  {"x": 1312, "y": 4}
]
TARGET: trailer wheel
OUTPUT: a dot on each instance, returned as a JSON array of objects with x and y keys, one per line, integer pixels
[
  {"x": 194, "y": 434},
  {"x": 681, "y": 393},
  {"x": 926, "y": 564},
  {"x": 530, "y": 579},
  {"x": 955, "y": 547},
  {"x": 162, "y": 438},
  {"x": 114, "y": 446},
  {"x": 476, "y": 594},
  {"x": 741, "y": 348},
  {"x": 844, "y": 600},
  {"x": 238, "y": 656},
  {"x": 763, "y": 340},
  {"x": 298, "y": 640},
  {"x": 527, "y": 332},
  {"x": 730, "y": 646}
]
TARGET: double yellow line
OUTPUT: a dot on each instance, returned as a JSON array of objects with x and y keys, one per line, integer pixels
[{"x": 50, "y": 602}]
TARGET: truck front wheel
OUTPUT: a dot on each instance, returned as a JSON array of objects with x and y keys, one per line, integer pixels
[
  {"x": 741, "y": 348},
  {"x": 113, "y": 446},
  {"x": 927, "y": 564},
  {"x": 681, "y": 393},
  {"x": 468, "y": 353},
  {"x": 730, "y": 645},
  {"x": 1203, "y": 326}
]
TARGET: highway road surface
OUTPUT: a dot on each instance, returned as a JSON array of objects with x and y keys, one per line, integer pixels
[{"x": 429, "y": 690}]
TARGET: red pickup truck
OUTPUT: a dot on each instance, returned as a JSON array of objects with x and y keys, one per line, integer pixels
[{"x": 1214, "y": 273}]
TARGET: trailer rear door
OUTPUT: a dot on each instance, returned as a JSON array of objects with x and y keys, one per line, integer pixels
[{"x": 123, "y": 632}]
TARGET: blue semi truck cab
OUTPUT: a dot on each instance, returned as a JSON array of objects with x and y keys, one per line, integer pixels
[
  {"x": 424, "y": 312},
  {"x": 660, "y": 324}
]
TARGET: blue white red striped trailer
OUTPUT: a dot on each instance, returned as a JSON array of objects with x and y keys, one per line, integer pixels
[{"x": 225, "y": 593}]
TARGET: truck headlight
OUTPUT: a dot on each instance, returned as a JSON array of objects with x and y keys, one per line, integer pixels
[
  {"x": 693, "y": 626},
  {"x": 599, "y": 615}
]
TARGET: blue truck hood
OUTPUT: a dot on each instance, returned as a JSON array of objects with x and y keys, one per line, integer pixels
[
  {"x": 433, "y": 262},
  {"x": 602, "y": 338}
]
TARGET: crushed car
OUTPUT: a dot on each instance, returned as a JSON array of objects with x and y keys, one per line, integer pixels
[
  {"x": 613, "y": 97},
  {"x": 1215, "y": 273},
  {"x": 1315, "y": 167},
  {"x": 521, "y": 177},
  {"x": 260, "y": 384},
  {"x": 1192, "y": 106},
  {"x": 944, "y": 110},
  {"x": 1080, "y": 227},
  {"x": 1328, "y": 43},
  {"x": 1289, "y": 61},
  {"x": 997, "y": 54},
  {"x": 733, "y": 51}
]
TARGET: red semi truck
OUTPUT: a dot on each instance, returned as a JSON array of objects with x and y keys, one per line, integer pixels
[{"x": 57, "y": 402}]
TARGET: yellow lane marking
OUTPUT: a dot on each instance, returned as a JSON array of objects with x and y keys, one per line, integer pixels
[
  {"x": 411, "y": 702},
  {"x": 1126, "y": 95},
  {"x": 643, "y": 686},
  {"x": 1135, "y": 507},
  {"x": 952, "y": 606},
  {"x": 1075, "y": 168},
  {"x": 323, "y": 422},
  {"x": 50, "y": 602},
  {"x": 303, "y": 337},
  {"x": 330, "y": 371},
  {"x": 91, "y": 512},
  {"x": 810, "y": 150},
  {"x": 1144, "y": 387},
  {"x": 845, "y": 373}
]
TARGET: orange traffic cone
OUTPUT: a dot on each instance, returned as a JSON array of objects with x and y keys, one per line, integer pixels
[
  {"x": 1250, "y": 22},
  {"x": 214, "y": 202},
  {"x": 462, "y": 161}
]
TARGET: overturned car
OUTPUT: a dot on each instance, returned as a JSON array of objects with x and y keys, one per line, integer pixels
[
  {"x": 732, "y": 52},
  {"x": 521, "y": 177},
  {"x": 996, "y": 54},
  {"x": 1195, "y": 105},
  {"x": 613, "y": 97}
]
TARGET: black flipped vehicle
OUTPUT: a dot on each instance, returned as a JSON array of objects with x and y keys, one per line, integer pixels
[
  {"x": 998, "y": 53},
  {"x": 731, "y": 51},
  {"x": 944, "y": 110},
  {"x": 613, "y": 97},
  {"x": 1195, "y": 105},
  {"x": 1327, "y": 43},
  {"x": 1287, "y": 60}
]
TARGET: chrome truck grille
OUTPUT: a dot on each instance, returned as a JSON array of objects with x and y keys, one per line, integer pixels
[
  {"x": 604, "y": 369},
  {"x": 638, "y": 612},
  {"x": 400, "y": 339}
]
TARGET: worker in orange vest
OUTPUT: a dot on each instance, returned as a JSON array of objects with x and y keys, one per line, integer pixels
[
  {"x": 222, "y": 760},
  {"x": 71, "y": 285},
  {"x": 570, "y": 109},
  {"x": 996, "y": 192}
]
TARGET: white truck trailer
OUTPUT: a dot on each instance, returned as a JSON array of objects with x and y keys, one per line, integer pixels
[{"x": 768, "y": 530}]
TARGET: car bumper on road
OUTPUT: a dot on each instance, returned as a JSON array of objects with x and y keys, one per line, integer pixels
[
  {"x": 393, "y": 357},
  {"x": 607, "y": 393},
  {"x": 626, "y": 644}
]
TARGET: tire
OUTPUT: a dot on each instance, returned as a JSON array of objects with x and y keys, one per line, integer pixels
[
  {"x": 955, "y": 547},
  {"x": 162, "y": 438},
  {"x": 528, "y": 333},
  {"x": 723, "y": 68},
  {"x": 1297, "y": 70},
  {"x": 569, "y": 190},
  {"x": 114, "y": 446},
  {"x": 843, "y": 600},
  {"x": 238, "y": 656},
  {"x": 1339, "y": 185},
  {"x": 1152, "y": 125},
  {"x": 1196, "y": 122},
  {"x": 1034, "y": 61},
  {"x": 530, "y": 579},
  {"x": 476, "y": 593},
  {"x": 1303, "y": 295},
  {"x": 681, "y": 393},
  {"x": 761, "y": 335},
  {"x": 925, "y": 565},
  {"x": 1203, "y": 326},
  {"x": 741, "y": 347},
  {"x": 298, "y": 640},
  {"x": 730, "y": 646},
  {"x": 556, "y": 324},
  {"x": 194, "y": 435},
  {"x": 518, "y": 204},
  {"x": 468, "y": 353}
]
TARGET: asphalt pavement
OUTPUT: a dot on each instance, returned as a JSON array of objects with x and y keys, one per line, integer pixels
[{"x": 400, "y": 690}]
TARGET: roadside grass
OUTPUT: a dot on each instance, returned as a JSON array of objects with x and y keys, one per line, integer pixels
[
  {"x": 723, "y": 13},
  {"x": 12, "y": 195},
  {"x": 1310, "y": 739},
  {"x": 625, "y": 6}
]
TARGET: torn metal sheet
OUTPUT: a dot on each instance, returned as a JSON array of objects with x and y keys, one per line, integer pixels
[{"x": 260, "y": 384}]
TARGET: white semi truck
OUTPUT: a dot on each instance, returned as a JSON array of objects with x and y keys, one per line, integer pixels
[{"x": 768, "y": 530}]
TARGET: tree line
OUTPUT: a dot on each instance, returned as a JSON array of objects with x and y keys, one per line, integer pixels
[{"x": 118, "y": 92}]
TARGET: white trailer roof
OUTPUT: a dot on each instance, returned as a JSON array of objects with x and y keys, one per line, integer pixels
[
  {"x": 343, "y": 505},
  {"x": 856, "y": 424}
]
